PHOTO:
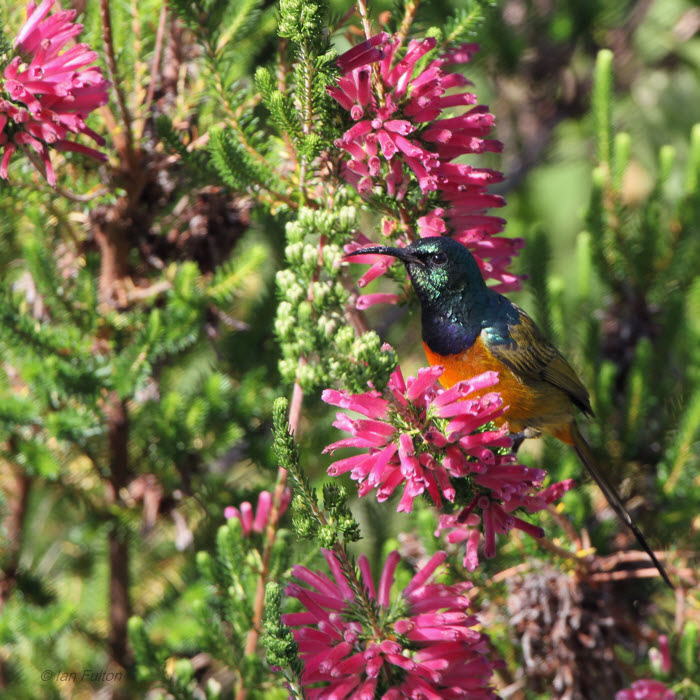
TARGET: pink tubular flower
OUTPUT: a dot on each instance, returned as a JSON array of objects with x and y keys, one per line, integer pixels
[
  {"x": 431, "y": 440},
  {"x": 399, "y": 135},
  {"x": 646, "y": 690},
  {"x": 660, "y": 658},
  {"x": 259, "y": 521},
  {"x": 46, "y": 95},
  {"x": 497, "y": 517},
  {"x": 423, "y": 645}
]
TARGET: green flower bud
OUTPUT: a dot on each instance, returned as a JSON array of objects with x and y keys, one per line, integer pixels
[
  {"x": 294, "y": 252},
  {"x": 332, "y": 255},
  {"x": 310, "y": 256},
  {"x": 294, "y": 231},
  {"x": 346, "y": 217},
  {"x": 327, "y": 326},
  {"x": 204, "y": 564},
  {"x": 321, "y": 293},
  {"x": 285, "y": 279},
  {"x": 327, "y": 536}
]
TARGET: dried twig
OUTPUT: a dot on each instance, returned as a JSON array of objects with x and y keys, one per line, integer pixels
[{"x": 116, "y": 81}]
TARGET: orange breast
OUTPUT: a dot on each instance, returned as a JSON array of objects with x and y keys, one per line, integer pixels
[{"x": 535, "y": 404}]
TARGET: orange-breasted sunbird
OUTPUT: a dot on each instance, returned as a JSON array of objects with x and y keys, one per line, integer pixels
[{"x": 468, "y": 328}]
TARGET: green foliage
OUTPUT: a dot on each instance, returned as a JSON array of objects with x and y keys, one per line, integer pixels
[
  {"x": 316, "y": 342},
  {"x": 231, "y": 32},
  {"x": 465, "y": 22},
  {"x": 197, "y": 165},
  {"x": 230, "y": 278},
  {"x": 300, "y": 21},
  {"x": 602, "y": 109},
  {"x": 140, "y": 332},
  {"x": 5, "y": 50},
  {"x": 223, "y": 618},
  {"x": 641, "y": 251},
  {"x": 239, "y": 168},
  {"x": 330, "y": 522},
  {"x": 645, "y": 377},
  {"x": 536, "y": 260},
  {"x": 282, "y": 649}
]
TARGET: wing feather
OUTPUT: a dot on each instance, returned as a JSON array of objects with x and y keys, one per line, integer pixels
[{"x": 531, "y": 356}]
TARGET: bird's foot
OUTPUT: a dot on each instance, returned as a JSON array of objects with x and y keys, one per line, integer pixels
[{"x": 520, "y": 437}]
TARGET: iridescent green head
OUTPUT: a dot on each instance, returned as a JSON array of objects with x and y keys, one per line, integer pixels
[
  {"x": 455, "y": 301},
  {"x": 440, "y": 268}
]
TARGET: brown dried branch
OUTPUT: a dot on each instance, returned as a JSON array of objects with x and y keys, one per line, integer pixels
[
  {"x": 127, "y": 147},
  {"x": 155, "y": 66}
]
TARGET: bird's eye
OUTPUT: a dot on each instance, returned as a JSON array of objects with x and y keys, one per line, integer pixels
[{"x": 438, "y": 259}]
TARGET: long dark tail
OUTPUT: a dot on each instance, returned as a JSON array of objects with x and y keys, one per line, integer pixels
[{"x": 584, "y": 453}]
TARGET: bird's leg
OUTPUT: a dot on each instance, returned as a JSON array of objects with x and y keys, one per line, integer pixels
[
  {"x": 525, "y": 434},
  {"x": 518, "y": 439}
]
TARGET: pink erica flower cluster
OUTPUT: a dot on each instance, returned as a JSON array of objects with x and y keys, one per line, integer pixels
[
  {"x": 256, "y": 522},
  {"x": 421, "y": 645},
  {"x": 652, "y": 689},
  {"x": 400, "y": 136},
  {"x": 48, "y": 92},
  {"x": 496, "y": 517},
  {"x": 661, "y": 658},
  {"x": 426, "y": 439},
  {"x": 646, "y": 690}
]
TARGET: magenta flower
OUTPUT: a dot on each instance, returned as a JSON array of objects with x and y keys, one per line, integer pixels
[
  {"x": 403, "y": 122},
  {"x": 429, "y": 440},
  {"x": 660, "y": 658},
  {"x": 46, "y": 95},
  {"x": 259, "y": 521},
  {"x": 398, "y": 137},
  {"x": 422, "y": 644},
  {"x": 646, "y": 690},
  {"x": 497, "y": 517}
]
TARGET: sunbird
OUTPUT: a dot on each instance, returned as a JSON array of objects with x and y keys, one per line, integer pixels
[{"x": 469, "y": 328}]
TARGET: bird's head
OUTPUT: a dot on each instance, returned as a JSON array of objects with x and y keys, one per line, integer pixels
[{"x": 441, "y": 269}]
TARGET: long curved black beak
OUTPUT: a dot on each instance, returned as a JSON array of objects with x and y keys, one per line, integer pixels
[{"x": 401, "y": 253}]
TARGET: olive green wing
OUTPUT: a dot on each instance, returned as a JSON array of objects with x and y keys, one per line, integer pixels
[{"x": 531, "y": 356}]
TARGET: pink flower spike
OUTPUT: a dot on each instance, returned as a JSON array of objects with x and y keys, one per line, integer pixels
[
  {"x": 426, "y": 640},
  {"x": 369, "y": 404},
  {"x": 366, "y": 300},
  {"x": 432, "y": 224},
  {"x": 461, "y": 54},
  {"x": 377, "y": 270},
  {"x": 387, "y": 578},
  {"x": 246, "y": 517},
  {"x": 257, "y": 522},
  {"x": 408, "y": 443},
  {"x": 351, "y": 58},
  {"x": 413, "y": 104},
  {"x": 426, "y": 377},
  {"x": 63, "y": 145},
  {"x": 262, "y": 512},
  {"x": 363, "y": 564},
  {"x": 50, "y": 91},
  {"x": 364, "y": 93},
  {"x": 399, "y": 126},
  {"x": 403, "y": 69},
  {"x": 34, "y": 16},
  {"x": 646, "y": 690},
  {"x": 341, "y": 97},
  {"x": 462, "y": 389},
  {"x": 9, "y": 150},
  {"x": 665, "y": 650},
  {"x": 471, "y": 558},
  {"x": 426, "y": 572}
]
